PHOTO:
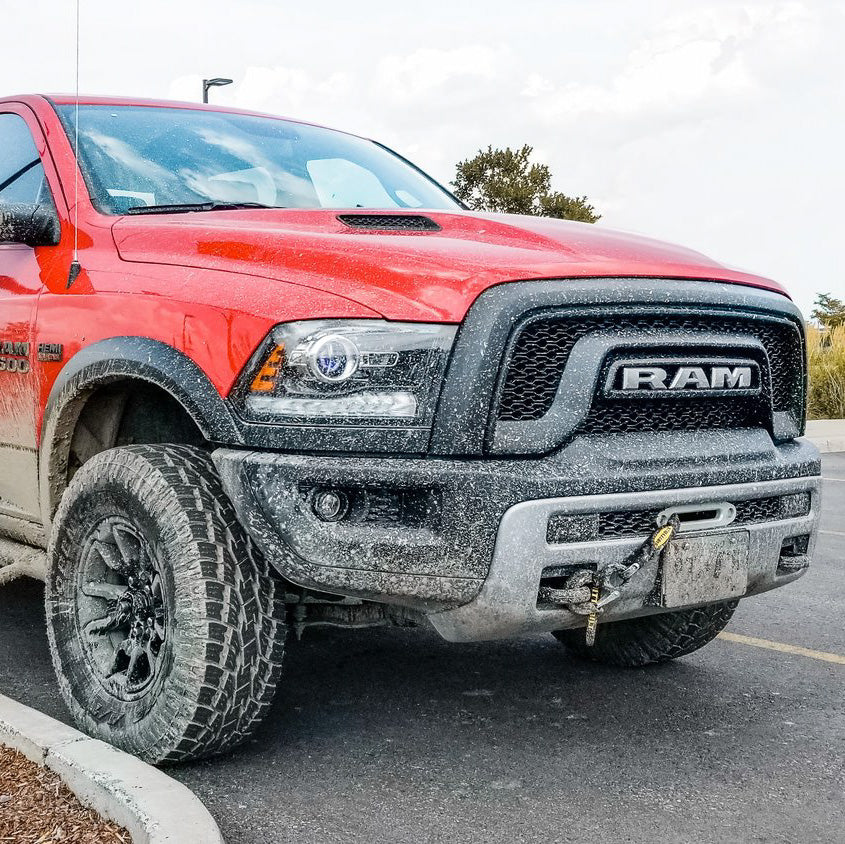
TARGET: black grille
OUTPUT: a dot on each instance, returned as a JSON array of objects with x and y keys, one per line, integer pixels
[
  {"x": 626, "y": 524},
  {"x": 756, "y": 510},
  {"x": 390, "y": 222},
  {"x": 542, "y": 348},
  {"x": 620, "y": 416}
]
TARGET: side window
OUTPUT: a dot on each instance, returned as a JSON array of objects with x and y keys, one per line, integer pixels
[{"x": 21, "y": 172}]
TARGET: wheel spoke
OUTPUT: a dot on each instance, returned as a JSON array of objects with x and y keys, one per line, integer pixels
[
  {"x": 134, "y": 677},
  {"x": 99, "y": 626},
  {"x": 133, "y": 661},
  {"x": 120, "y": 650},
  {"x": 109, "y": 555},
  {"x": 127, "y": 544},
  {"x": 101, "y": 589}
]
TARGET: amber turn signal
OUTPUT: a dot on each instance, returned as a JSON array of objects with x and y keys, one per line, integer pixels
[{"x": 265, "y": 380}]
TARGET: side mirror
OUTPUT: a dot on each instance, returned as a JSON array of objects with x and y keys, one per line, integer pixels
[{"x": 29, "y": 223}]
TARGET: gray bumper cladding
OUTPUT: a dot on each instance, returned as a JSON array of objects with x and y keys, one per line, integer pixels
[
  {"x": 466, "y": 540},
  {"x": 507, "y": 604}
]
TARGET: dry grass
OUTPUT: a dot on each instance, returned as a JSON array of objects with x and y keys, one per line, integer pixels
[
  {"x": 826, "y": 352},
  {"x": 36, "y": 807}
]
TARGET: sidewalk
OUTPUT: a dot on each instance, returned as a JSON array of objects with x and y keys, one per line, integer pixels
[{"x": 827, "y": 434}]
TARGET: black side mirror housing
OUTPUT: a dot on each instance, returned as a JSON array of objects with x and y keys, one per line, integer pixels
[{"x": 32, "y": 224}]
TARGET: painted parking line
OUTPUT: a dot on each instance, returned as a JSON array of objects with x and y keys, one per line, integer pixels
[
  {"x": 835, "y": 480},
  {"x": 832, "y": 532},
  {"x": 780, "y": 646}
]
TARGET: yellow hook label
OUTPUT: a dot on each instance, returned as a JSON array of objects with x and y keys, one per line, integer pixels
[{"x": 662, "y": 536}]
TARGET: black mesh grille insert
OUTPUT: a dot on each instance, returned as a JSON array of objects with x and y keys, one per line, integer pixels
[
  {"x": 390, "y": 222},
  {"x": 626, "y": 524},
  {"x": 615, "y": 416},
  {"x": 542, "y": 348}
]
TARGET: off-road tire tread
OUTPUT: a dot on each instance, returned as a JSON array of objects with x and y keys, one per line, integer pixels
[
  {"x": 653, "y": 639},
  {"x": 240, "y": 608}
]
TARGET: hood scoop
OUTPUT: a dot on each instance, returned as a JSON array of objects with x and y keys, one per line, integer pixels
[{"x": 390, "y": 222}]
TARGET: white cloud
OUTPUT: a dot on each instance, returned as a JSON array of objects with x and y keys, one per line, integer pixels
[
  {"x": 429, "y": 74},
  {"x": 690, "y": 65}
]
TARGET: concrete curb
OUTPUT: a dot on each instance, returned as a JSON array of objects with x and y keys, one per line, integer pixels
[
  {"x": 827, "y": 435},
  {"x": 151, "y": 805}
]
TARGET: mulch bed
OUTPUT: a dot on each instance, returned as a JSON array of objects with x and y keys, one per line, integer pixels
[{"x": 36, "y": 807}]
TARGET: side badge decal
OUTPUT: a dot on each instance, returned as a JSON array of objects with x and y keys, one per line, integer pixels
[
  {"x": 13, "y": 357},
  {"x": 50, "y": 352}
]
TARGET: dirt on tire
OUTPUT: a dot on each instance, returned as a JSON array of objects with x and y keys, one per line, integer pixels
[
  {"x": 652, "y": 639},
  {"x": 225, "y": 610}
]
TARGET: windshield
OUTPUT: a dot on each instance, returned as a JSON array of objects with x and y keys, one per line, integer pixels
[{"x": 140, "y": 156}]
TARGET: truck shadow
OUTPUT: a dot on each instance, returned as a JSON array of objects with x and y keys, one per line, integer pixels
[
  {"x": 409, "y": 690},
  {"x": 403, "y": 687},
  {"x": 397, "y": 728},
  {"x": 366, "y": 688}
]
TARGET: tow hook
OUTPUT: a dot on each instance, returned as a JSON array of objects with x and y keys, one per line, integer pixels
[{"x": 589, "y": 592}]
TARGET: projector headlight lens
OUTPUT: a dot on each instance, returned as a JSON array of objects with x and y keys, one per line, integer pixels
[
  {"x": 333, "y": 359},
  {"x": 348, "y": 371}
]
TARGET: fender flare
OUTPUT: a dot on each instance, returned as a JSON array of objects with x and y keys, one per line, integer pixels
[{"x": 116, "y": 359}]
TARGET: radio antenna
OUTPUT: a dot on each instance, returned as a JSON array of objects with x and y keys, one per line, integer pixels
[{"x": 75, "y": 268}]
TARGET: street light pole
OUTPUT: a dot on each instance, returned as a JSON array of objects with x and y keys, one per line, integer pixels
[{"x": 213, "y": 83}]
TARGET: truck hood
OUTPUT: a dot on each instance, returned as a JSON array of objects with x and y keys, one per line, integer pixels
[{"x": 407, "y": 275}]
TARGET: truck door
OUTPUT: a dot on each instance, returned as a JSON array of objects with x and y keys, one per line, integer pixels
[{"x": 22, "y": 179}]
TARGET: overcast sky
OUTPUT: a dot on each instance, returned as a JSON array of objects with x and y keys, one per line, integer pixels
[{"x": 714, "y": 123}]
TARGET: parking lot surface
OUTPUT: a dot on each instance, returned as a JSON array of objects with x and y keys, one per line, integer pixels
[{"x": 398, "y": 736}]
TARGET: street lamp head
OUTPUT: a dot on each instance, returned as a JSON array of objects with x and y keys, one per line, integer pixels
[{"x": 216, "y": 82}]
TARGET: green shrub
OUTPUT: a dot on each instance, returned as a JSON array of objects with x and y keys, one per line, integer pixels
[{"x": 826, "y": 352}]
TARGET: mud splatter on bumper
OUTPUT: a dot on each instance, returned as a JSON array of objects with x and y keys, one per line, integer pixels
[{"x": 423, "y": 532}]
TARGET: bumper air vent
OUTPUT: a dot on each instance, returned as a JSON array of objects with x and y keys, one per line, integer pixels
[
  {"x": 627, "y": 524},
  {"x": 381, "y": 506}
]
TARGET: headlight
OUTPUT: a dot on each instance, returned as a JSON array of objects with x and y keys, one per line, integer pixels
[{"x": 360, "y": 371}]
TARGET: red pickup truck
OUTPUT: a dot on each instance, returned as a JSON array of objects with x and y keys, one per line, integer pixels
[{"x": 258, "y": 375}]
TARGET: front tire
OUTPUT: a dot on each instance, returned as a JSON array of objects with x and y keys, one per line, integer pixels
[
  {"x": 651, "y": 639},
  {"x": 165, "y": 625}
]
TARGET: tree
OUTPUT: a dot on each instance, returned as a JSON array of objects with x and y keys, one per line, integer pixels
[
  {"x": 830, "y": 311},
  {"x": 506, "y": 181}
]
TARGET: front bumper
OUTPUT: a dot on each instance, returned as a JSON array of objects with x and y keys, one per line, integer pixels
[
  {"x": 507, "y": 604},
  {"x": 465, "y": 540}
]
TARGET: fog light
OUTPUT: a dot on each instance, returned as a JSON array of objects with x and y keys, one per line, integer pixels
[{"x": 329, "y": 505}]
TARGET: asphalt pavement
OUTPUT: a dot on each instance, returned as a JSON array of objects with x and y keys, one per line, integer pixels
[{"x": 398, "y": 736}]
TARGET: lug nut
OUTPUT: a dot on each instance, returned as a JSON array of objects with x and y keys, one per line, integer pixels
[{"x": 329, "y": 505}]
